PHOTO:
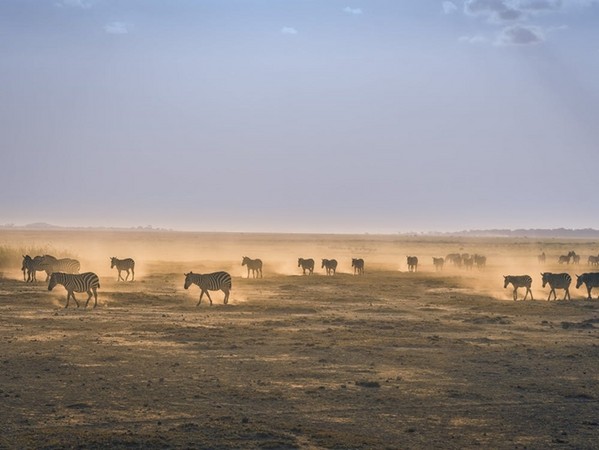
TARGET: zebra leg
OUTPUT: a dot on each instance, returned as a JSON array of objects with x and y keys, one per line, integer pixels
[
  {"x": 89, "y": 295},
  {"x": 208, "y": 294},
  {"x": 127, "y": 276},
  {"x": 589, "y": 289},
  {"x": 226, "y": 299},
  {"x": 132, "y": 274},
  {"x": 515, "y": 294},
  {"x": 567, "y": 294}
]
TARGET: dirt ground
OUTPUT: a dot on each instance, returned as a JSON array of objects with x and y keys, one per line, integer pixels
[{"x": 387, "y": 360}]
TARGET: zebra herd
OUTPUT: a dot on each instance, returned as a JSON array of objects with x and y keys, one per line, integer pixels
[
  {"x": 65, "y": 271},
  {"x": 555, "y": 281},
  {"x": 570, "y": 258}
]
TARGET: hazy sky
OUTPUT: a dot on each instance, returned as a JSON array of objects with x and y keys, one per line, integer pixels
[{"x": 300, "y": 115}]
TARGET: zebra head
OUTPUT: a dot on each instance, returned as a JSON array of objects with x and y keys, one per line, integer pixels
[
  {"x": 245, "y": 260},
  {"x": 112, "y": 261},
  {"x": 53, "y": 281},
  {"x": 506, "y": 281},
  {"x": 299, "y": 262},
  {"x": 188, "y": 279},
  {"x": 26, "y": 261},
  {"x": 579, "y": 281},
  {"x": 545, "y": 276}
]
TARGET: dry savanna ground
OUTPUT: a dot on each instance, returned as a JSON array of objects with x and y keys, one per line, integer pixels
[{"x": 390, "y": 359}]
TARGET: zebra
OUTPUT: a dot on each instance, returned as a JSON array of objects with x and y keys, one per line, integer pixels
[
  {"x": 32, "y": 265},
  {"x": 557, "y": 281},
  {"x": 255, "y": 265},
  {"x": 541, "y": 258},
  {"x": 480, "y": 261},
  {"x": 591, "y": 280},
  {"x": 412, "y": 263},
  {"x": 518, "y": 281},
  {"x": 593, "y": 260},
  {"x": 468, "y": 263},
  {"x": 438, "y": 263},
  {"x": 358, "y": 265},
  {"x": 127, "y": 264},
  {"x": 84, "y": 282},
  {"x": 455, "y": 259},
  {"x": 330, "y": 265},
  {"x": 563, "y": 259},
  {"x": 210, "y": 282},
  {"x": 66, "y": 265},
  {"x": 306, "y": 264}
]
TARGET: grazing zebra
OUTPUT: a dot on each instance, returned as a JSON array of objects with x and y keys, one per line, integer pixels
[
  {"x": 66, "y": 265},
  {"x": 541, "y": 258},
  {"x": 557, "y": 281},
  {"x": 518, "y": 281},
  {"x": 593, "y": 260},
  {"x": 412, "y": 263},
  {"x": 330, "y": 265},
  {"x": 306, "y": 264},
  {"x": 358, "y": 265},
  {"x": 217, "y": 281},
  {"x": 123, "y": 264},
  {"x": 480, "y": 261},
  {"x": 31, "y": 266},
  {"x": 438, "y": 263},
  {"x": 84, "y": 282},
  {"x": 591, "y": 280},
  {"x": 255, "y": 265}
]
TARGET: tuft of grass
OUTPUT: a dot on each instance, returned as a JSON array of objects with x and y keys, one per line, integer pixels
[{"x": 11, "y": 257}]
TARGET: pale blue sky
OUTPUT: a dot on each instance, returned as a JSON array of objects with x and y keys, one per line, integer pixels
[{"x": 291, "y": 115}]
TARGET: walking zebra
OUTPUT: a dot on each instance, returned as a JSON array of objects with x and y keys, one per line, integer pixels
[
  {"x": 412, "y": 263},
  {"x": 32, "y": 265},
  {"x": 217, "y": 281},
  {"x": 358, "y": 265},
  {"x": 255, "y": 265},
  {"x": 306, "y": 264},
  {"x": 564, "y": 259},
  {"x": 541, "y": 258},
  {"x": 330, "y": 265},
  {"x": 518, "y": 281},
  {"x": 454, "y": 258},
  {"x": 557, "y": 281},
  {"x": 480, "y": 261},
  {"x": 591, "y": 280},
  {"x": 593, "y": 260},
  {"x": 438, "y": 263},
  {"x": 84, "y": 282},
  {"x": 65, "y": 265},
  {"x": 123, "y": 264}
]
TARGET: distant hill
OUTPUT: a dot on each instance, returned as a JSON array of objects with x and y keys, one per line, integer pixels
[{"x": 584, "y": 233}]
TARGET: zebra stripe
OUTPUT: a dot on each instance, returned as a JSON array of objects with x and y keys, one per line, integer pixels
[
  {"x": 65, "y": 265},
  {"x": 210, "y": 282},
  {"x": 330, "y": 265},
  {"x": 518, "y": 281},
  {"x": 127, "y": 264},
  {"x": 591, "y": 280},
  {"x": 593, "y": 260},
  {"x": 306, "y": 264},
  {"x": 255, "y": 265},
  {"x": 412, "y": 263},
  {"x": 557, "y": 281},
  {"x": 84, "y": 282},
  {"x": 358, "y": 265}
]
